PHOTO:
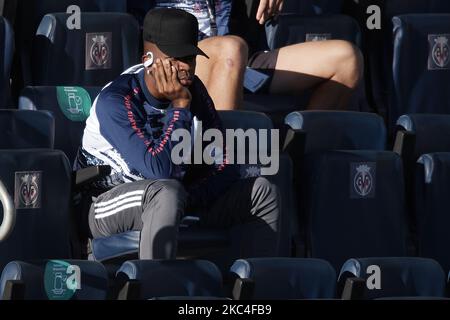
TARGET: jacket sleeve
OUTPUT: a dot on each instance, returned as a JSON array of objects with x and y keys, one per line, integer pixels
[{"x": 125, "y": 129}]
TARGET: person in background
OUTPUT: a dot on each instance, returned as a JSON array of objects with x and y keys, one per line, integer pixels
[{"x": 332, "y": 69}]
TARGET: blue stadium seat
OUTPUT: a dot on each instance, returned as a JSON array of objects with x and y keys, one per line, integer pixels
[
  {"x": 289, "y": 29},
  {"x": 419, "y": 134},
  {"x": 332, "y": 130},
  {"x": 422, "y": 133},
  {"x": 379, "y": 46},
  {"x": 195, "y": 241},
  {"x": 432, "y": 186},
  {"x": 398, "y": 277},
  {"x": 139, "y": 8},
  {"x": 39, "y": 182},
  {"x": 105, "y": 46},
  {"x": 304, "y": 7},
  {"x": 29, "y": 14},
  {"x": 354, "y": 205},
  {"x": 292, "y": 29},
  {"x": 313, "y": 132},
  {"x": 286, "y": 278},
  {"x": 327, "y": 6},
  {"x": 47, "y": 280},
  {"x": 421, "y": 65},
  {"x": 70, "y": 107},
  {"x": 180, "y": 278},
  {"x": 24, "y": 129},
  {"x": 6, "y": 60}
]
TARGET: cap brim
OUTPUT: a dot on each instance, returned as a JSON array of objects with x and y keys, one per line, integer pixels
[{"x": 182, "y": 51}]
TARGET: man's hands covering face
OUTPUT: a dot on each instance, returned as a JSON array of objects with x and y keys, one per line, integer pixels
[{"x": 168, "y": 84}]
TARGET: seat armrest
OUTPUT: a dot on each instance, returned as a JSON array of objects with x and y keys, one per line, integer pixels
[
  {"x": 89, "y": 175},
  {"x": 243, "y": 289},
  {"x": 354, "y": 289},
  {"x": 130, "y": 291},
  {"x": 14, "y": 290},
  {"x": 404, "y": 144}
]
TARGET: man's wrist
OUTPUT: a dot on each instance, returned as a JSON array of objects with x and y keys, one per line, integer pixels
[{"x": 181, "y": 103}]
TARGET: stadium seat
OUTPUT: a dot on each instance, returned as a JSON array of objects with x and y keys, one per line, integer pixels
[
  {"x": 299, "y": 7},
  {"x": 313, "y": 132},
  {"x": 6, "y": 60},
  {"x": 39, "y": 182},
  {"x": 28, "y": 15},
  {"x": 379, "y": 46},
  {"x": 418, "y": 134},
  {"x": 354, "y": 205},
  {"x": 421, "y": 65},
  {"x": 23, "y": 129},
  {"x": 397, "y": 277},
  {"x": 431, "y": 207},
  {"x": 106, "y": 44},
  {"x": 292, "y": 29},
  {"x": 285, "y": 278},
  {"x": 149, "y": 279},
  {"x": 332, "y": 130},
  {"x": 139, "y": 8},
  {"x": 50, "y": 280},
  {"x": 213, "y": 244},
  {"x": 70, "y": 107},
  {"x": 327, "y": 6}
]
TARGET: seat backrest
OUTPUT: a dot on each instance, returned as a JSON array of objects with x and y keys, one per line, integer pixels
[
  {"x": 354, "y": 204},
  {"x": 6, "y": 59},
  {"x": 29, "y": 14},
  {"x": 174, "y": 278},
  {"x": 24, "y": 129},
  {"x": 50, "y": 279},
  {"x": 291, "y": 29},
  {"x": 253, "y": 123},
  {"x": 106, "y": 44},
  {"x": 139, "y": 8},
  {"x": 282, "y": 178},
  {"x": 380, "y": 57},
  {"x": 39, "y": 181},
  {"x": 69, "y": 105},
  {"x": 421, "y": 65},
  {"x": 337, "y": 130},
  {"x": 397, "y": 277},
  {"x": 327, "y": 6},
  {"x": 288, "y": 278},
  {"x": 432, "y": 186},
  {"x": 304, "y": 7},
  {"x": 431, "y": 131}
]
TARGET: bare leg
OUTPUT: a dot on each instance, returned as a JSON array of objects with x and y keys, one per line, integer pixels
[
  {"x": 333, "y": 68},
  {"x": 223, "y": 72}
]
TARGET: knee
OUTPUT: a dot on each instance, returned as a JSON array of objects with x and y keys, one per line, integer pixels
[
  {"x": 232, "y": 52},
  {"x": 169, "y": 189},
  {"x": 349, "y": 62}
]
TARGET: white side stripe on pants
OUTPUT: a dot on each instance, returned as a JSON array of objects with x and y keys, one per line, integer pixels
[
  {"x": 123, "y": 196},
  {"x": 113, "y": 212},
  {"x": 118, "y": 204},
  {"x": 125, "y": 201}
]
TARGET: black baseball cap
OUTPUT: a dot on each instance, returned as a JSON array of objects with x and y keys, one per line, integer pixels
[{"x": 173, "y": 31}]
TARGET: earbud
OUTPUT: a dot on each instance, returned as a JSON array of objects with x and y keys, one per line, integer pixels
[{"x": 148, "y": 63}]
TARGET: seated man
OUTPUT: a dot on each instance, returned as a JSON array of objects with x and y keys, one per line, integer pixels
[
  {"x": 332, "y": 68},
  {"x": 130, "y": 128}
]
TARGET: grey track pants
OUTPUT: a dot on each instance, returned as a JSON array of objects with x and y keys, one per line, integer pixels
[{"x": 155, "y": 209}]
